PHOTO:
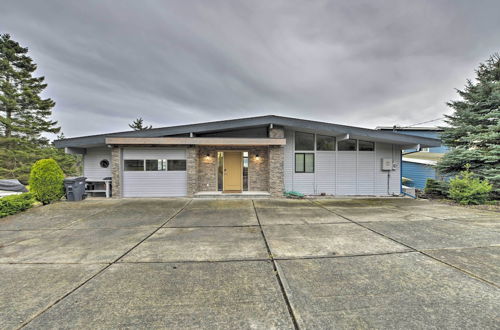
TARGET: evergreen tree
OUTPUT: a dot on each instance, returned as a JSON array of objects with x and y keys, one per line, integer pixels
[
  {"x": 474, "y": 128},
  {"x": 24, "y": 114},
  {"x": 138, "y": 125}
]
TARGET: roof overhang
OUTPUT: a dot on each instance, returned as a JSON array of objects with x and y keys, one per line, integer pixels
[
  {"x": 341, "y": 131},
  {"x": 209, "y": 141}
]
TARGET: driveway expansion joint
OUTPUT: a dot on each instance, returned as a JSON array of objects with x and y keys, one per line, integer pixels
[
  {"x": 281, "y": 281},
  {"x": 25, "y": 323},
  {"x": 412, "y": 248}
]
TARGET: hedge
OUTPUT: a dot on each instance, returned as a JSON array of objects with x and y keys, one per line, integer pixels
[{"x": 13, "y": 204}]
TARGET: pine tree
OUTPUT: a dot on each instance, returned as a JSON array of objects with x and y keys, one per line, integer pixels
[
  {"x": 24, "y": 114},
  {"x": 138, "y": 125},
  {"x": 474, "y": 128}
]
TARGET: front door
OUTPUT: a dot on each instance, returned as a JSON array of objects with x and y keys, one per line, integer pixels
[{"x": 233, "y": 171}]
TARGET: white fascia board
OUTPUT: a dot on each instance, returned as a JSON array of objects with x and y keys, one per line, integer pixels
[{"x": 420, "y": 161}]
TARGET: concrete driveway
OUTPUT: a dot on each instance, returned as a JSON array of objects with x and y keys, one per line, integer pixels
[{"x": 265, "y": 264}]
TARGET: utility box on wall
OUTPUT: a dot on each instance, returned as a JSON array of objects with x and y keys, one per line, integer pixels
[{"x": 387, "y": 164}]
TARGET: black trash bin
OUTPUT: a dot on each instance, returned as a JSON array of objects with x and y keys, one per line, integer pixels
[{"x": 75, "y": 188}]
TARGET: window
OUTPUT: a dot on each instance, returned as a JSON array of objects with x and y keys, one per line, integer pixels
[
  {"x": 104, "y": 163},
  {"x": 245, "y": 171},
  {"x": 220, "y": 170},
  {"x": 176, "y": 164},
  {"x": 425, "y": 150},
  {"x": 304, "y": 163},
  {"x": 347, "y": 145},
  {"x": 156, "y": 165},
  {"x": 304, "y": 141},
  {"x": 325, "y": 143},
  {"x": 366, "y": 146},
  {"x": 133, "y": 164}
]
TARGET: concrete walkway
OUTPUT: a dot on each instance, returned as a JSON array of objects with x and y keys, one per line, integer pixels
[{"x": 260, "y": 264}]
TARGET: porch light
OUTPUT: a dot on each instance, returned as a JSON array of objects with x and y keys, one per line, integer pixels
[{"x": 257, "y": 157}]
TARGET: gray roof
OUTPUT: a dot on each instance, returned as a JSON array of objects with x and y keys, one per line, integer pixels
[{"x": 300, "y": 124}]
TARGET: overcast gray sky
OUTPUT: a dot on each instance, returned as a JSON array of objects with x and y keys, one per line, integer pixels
[{"x": 362, "y": 63}]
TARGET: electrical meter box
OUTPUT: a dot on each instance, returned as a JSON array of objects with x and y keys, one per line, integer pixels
[{"x": 386, "y": 164}]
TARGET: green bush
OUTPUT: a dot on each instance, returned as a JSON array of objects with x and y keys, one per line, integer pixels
[
  {"x": 13, "y": 204},
  {"x": 46, "y": 181},
  {"x": 466, "y": 189},
  {"x": 436, "y": 188}
]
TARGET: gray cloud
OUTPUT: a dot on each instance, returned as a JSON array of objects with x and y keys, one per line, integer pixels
[{"x": 362, "y": 63}]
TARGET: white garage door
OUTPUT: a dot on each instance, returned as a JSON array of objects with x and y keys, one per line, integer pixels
[{"x": 154, "y": 172}]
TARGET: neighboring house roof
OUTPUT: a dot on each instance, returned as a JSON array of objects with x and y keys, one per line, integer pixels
[
  {"x": 306, "y": 125},
  {"x": 426, "y": 158},
  {"x": 421, "y": 128}
]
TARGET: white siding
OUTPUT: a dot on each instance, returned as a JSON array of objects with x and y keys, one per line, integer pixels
[
  {"x": 325, "y": 172},
  {"x": 387, "y": 151},
  {"x": 154, "y": 183},
  {"x": 91, "y": 167},
  {"x": 344, "y": 172},
  {"x": 366, "y": 172},
  {"x": 304, "y": 183}
]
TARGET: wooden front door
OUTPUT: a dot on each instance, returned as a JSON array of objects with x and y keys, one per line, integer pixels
[{"x": 233, "y": 171}]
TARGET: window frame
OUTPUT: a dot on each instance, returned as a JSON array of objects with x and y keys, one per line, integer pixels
[
  {"x": 327, "y": 136},
  {"x": 167, "y": 167},
  {"x": 313, "y": 142},
  {"x": 304, "y": 162},
  {"x": 143, "y": 165},
  {"x": 162, "y": 168},
  {"x": 355, "y": 145},
  {"x": 372, "y": 142},
  {"x": 164, "y": 164}
]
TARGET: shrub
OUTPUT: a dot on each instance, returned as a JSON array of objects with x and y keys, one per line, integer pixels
[
  {"x": 466, "y": 189},
  {"x": 47, "y": 181},
  {"x": 13, "y": 204},
  {"x": 436, "y": 188}
]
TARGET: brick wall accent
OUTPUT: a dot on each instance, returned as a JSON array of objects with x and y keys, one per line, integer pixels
[
  {"x": 192, "y": 170},
  {"x": 277, "y": 132},
  {"x": 116, "y": 161},
  {"x": 258, "y": 169},
  {"x": 276, "y": 175},
  {"x": 207, "y": 168}
]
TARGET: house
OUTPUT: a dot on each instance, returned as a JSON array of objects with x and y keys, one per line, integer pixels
[
  {"x": 259, "y": 155},
  {"x": 419, "y": 165}
]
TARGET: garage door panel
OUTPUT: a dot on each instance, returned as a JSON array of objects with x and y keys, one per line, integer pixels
[
  {"x": 154, "y": 153},
  {"x": 154, "y": 183}
]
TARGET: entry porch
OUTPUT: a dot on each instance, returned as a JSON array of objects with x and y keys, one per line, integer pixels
[{"x": 233, "y": 171}]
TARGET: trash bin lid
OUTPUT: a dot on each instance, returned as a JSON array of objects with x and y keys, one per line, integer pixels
[{"x": 75, "y": 179}]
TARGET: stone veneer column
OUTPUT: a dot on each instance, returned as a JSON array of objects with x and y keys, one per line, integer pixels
[
  {"x": 192, "y": 170},
  {"x": 277, "y": 132},
  {"x": 276, "y": 171},
  {"x": 116, "y": 156}
]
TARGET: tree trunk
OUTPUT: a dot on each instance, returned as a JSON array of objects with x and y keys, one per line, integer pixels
[{"x": 8, "y": 130}]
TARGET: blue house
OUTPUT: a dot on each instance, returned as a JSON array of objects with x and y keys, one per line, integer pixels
[{"x": 418, "y": 166}]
